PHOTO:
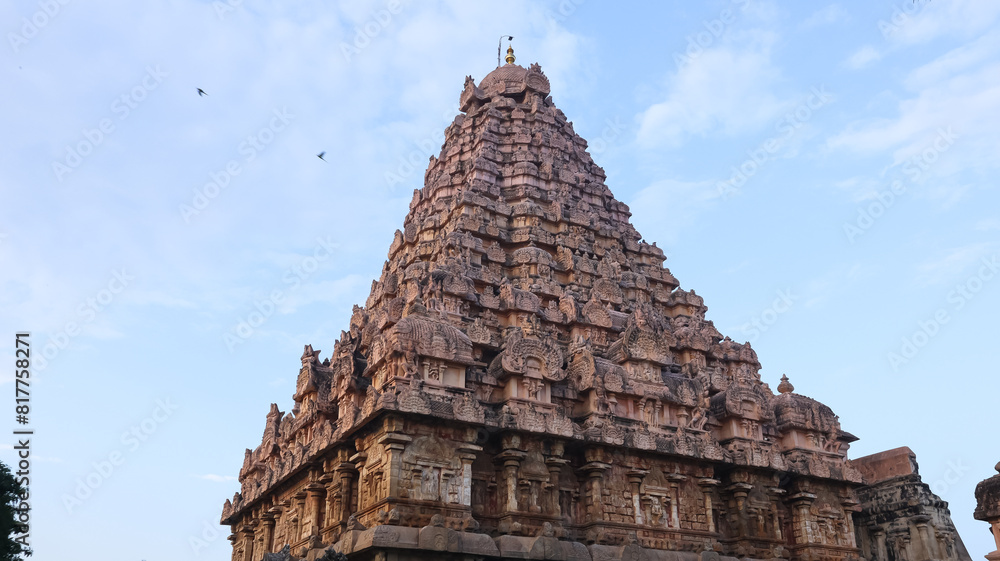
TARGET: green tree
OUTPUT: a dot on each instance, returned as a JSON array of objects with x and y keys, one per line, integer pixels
[{"x": 11, "y": 492}]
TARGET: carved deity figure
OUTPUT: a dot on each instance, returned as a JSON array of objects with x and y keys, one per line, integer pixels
[
  {"x": 656, "y": 512},
  {"x": 429, "y": 484},
  {"x": 830, "y": 442},
  {"x": 434, "y": 372},
  {"x": 410, "y": 366},
  {"x": 531, "y": 387},
  {"x": 701, "y": 410}
]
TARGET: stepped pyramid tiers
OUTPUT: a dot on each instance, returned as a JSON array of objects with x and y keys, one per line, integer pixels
[{"x": 527, "y": 381}]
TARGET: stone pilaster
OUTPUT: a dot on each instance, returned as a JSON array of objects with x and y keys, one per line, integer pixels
[
  {"x": 344, "y": 476},
  {"x": 634, "y": 484},
  {"x": 511, "y": 460},
  {"x": 247, "y": 537},
  {"x": 467, "y": 454},
  {"x": 707, "y": 485},
  {"x": 594, "y": 502},
  {"x": 675, "y": 480},
  {"x": 299, "y": 499},
  {"x": 352, "y": 502},
  {"x": 776, "y": 494},
  {"x": 555, "y": 466},
  {"x": 315, "y": 492},
  {"x": 927, "y": 538},
  {"x": 394, "y": 443},
  {"x": 850, "y": 506},
  {"x": 880, "y": 552},
  {"x": 802, "y": 533},
  {"x": 739, "y": 492},
  {"x": 268, "y": 522}
]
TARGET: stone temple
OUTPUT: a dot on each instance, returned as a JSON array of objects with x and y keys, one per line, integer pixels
[{"x": 528, "y": 381}]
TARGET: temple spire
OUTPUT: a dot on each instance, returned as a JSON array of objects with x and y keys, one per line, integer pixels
[{"x": 509, "y": 59}]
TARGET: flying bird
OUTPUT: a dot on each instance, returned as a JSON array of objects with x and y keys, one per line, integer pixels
[
  {"x": 201, "y": 92},
  {"x": 321, "y": 154}
]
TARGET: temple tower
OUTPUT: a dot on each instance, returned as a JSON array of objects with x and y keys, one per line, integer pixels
[{"x": 527, "y": 380}]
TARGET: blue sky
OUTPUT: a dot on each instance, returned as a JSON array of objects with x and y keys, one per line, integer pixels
[{"x": 822, "y": 175}]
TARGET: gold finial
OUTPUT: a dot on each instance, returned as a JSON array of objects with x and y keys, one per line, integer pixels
[{"x": 509, "y": 59}]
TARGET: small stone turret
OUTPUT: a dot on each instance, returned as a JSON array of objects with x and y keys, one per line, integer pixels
[{"x": 988, "y": 508}]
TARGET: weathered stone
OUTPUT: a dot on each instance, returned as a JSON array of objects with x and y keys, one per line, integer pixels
[
  {"x": 899, "y": 517},
  {"x": 988, "y": 508},
  {"x": 526, "y": 380}
]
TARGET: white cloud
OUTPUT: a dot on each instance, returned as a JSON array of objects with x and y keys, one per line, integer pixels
[
  {"x": 834, "y": 13},
  {"x": 966, "y": 57},
  {"x": 683, "y": 201},
  {"x": 944, "y": 269},
  {"x": 955, "y": 96},
  {"x": 862, "y": 57},
  {"x": 724, "y": 90},
  {"x": 914, "y": 23}
]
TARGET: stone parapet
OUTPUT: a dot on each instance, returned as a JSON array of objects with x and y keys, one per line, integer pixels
[{"x": 886, "y": 465}]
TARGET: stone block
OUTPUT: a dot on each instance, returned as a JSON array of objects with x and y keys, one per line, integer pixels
[{"x": 886, "y": 465}]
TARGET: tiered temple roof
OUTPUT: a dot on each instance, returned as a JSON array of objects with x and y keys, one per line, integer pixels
[{"x": 525, "y": 369}]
